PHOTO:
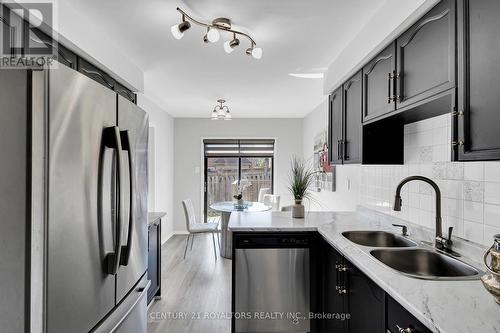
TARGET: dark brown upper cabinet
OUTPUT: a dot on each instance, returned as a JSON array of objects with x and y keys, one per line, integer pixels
[
  {"x": 335, "y": 127},
  {"x": 352, "y": 119},
  {"x": 477, "y": 118},
  {"x": 95, "y": 74},
  {"x": 426, "y": 56},
  {"x": 378, "y": 84},
  {"x": 344, "y": 122},
  {"x": 38, "y": 39}
]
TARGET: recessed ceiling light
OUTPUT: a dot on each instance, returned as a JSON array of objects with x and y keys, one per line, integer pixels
[{"x": 307, "y": 75}]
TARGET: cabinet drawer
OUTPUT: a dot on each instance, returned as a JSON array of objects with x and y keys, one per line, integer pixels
[{"x": 398, "y": 319}]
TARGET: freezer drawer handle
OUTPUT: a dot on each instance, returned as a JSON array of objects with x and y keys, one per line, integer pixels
[
  {"x": 125, "y": 250},
  {"x": 111, "y": 139}
]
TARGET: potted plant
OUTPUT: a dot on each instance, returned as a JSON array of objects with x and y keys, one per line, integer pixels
[{"x": 301, "y": 178}]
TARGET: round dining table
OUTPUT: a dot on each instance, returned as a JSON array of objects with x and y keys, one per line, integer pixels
[{"x": 225, "y": 208}]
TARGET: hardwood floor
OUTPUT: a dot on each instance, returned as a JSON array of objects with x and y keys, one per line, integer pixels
[{"x": 198, "y": 287}]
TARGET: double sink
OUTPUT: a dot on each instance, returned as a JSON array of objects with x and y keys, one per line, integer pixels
[{"x": 406, "y": 256}]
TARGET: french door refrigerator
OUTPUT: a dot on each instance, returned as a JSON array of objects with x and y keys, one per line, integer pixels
[{"x": 82, "y": 196}]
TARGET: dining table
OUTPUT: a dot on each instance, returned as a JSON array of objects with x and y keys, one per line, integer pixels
[{"x": 225, "y": 208}]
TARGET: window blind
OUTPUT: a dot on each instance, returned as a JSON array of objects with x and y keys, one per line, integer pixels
[{"x": 243, "y": 147}]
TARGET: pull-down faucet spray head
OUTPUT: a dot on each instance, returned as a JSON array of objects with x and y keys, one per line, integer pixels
[{"x": 397, "y": 203}]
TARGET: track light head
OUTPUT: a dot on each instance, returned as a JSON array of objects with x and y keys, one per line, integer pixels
[
  {"x": 212, "y": 35},
  {"x": 231, "y": 44},
  {"x": 255, "y": 52},
  {"x": 178, "y": 29}
]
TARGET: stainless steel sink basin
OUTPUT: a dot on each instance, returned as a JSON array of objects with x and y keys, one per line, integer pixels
[
  {"x": 426, "y": 264},
  {"x": 378, "y": 239}
]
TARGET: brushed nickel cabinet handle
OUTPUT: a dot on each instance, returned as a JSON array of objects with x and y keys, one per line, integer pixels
[{"x": 405, "y": 330}]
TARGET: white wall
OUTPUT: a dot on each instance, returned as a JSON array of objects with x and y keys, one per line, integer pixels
[
  {"x": 188, "y": 167},
  {"x": 345, "y": 198},
  {"x": 392, "y": 18},
  {"x": 163, "y": 150}
]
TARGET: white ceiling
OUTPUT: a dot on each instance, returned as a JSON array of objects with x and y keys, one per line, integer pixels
[{"x": 187, "y": 76}]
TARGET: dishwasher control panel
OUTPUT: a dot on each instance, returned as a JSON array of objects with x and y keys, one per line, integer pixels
[{"x": 271, "y": 241}]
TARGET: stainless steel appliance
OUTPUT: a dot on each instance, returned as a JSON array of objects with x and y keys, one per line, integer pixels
[
  {"x": 271, "y": 286},
  {"x": 82, "y": 183}
]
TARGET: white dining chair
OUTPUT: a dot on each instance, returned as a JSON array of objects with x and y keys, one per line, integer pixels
[
  {"x": 262, "y": 192},
  {"x": 273, "y": 201},
  {"x": 194, "y": 228}
]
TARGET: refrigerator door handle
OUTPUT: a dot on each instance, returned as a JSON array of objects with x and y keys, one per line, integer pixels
[
  {"x": 126, "y": 145},
  {"x": 112, "y": 139}
]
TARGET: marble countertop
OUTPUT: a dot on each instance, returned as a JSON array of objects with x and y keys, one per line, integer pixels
[
  {"x": 153, "y": 217},
  {"x": 443, "y": 306}
]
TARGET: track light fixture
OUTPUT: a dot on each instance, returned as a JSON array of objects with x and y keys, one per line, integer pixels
[{"x": 214, "y": 28}]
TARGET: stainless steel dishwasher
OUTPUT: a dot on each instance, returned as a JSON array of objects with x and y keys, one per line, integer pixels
[{"x": 271, "y": 284}]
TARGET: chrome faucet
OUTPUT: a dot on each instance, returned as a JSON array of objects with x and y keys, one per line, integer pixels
[{"x": 440, "y": 242}]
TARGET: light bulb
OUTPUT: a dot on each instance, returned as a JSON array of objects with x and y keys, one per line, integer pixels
[
  {"x": 257, "y": 52},
  {"x": 176, "y": 32},
  {"x": 213, "y": 35},
  {"x": 215, "y": 114},
  {"x": 227, "y": 47}
]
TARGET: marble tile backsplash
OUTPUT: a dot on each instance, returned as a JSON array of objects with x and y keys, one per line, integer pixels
[{"x": 470, "y": 190}]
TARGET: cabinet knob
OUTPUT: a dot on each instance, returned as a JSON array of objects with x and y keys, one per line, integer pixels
[{"x": 405, "y": 330}]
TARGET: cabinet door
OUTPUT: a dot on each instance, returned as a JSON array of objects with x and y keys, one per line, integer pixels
[
  {"x": 426, "y": 56},
  {"x": 378, "y": 87},
  {"x": 153, "y": 260},
  {"x": 479, "y": 79},
  {"x": 335, "y": 128},
  {"x": 125, "y": 92},
  {"x": 400, "y": 320},
  {"x": 38, "y": 40},
  {"x": 352, "y": 117},
  {"x": 333, "y": 301},
  {"x": 95, "y": 73},
  {"x": 366, "y": 303}
]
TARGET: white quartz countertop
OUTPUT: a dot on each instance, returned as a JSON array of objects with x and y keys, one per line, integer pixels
[{"x": 443, "y": 306}]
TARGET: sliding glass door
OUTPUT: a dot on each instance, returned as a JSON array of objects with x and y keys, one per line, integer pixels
[
  {"x": 220, "y": 175},
  {"x": 229, "y": 161}
]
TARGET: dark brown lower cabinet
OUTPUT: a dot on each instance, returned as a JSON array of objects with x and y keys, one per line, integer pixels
[
  {"x": 333, "y": 300},
  {"x": 400, "y": 320},
  {"x": 356, "y": 304},
  {"x": 154, "y": 260}
]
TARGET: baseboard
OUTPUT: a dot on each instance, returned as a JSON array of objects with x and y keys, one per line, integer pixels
[
  {"x": 168, "y": 237},
  {"x": 173, "y": 233}
]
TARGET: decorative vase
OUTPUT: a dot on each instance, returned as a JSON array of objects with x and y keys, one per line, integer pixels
[
  {"x": 491, "y": 280},
  {"x": 298, "y": 210},
  {"x": 240, "y": 204}
]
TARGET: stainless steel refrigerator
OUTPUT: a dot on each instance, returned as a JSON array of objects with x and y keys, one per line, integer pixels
[{"x": 73, "y": 203}]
